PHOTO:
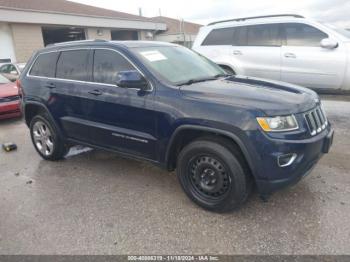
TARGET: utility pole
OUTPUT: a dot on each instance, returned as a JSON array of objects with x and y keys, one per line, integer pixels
[
  {"x": 140, "y": 11},
  {"x": 160, "y": 12}
]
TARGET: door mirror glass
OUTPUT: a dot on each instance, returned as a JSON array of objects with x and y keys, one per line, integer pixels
[
  {"x": 132, "y": 79},
  {"x": 329, "y": 43}
]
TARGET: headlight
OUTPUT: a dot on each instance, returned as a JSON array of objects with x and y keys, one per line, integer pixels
[{"x": 278, "y": 123}]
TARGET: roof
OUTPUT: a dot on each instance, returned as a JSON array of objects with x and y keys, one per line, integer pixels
[
  {"x": 67, "y": 7},
  {"x": 173, "y": 25}
]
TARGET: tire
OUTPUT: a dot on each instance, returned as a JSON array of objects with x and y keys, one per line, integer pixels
[
  {"x": 228, "y": 70},
  {"x": 46, "y": 139},
  {"x": 213, "y": 175}
]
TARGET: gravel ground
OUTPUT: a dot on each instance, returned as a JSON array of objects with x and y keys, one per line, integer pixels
[{"x": 99, "y": 203}]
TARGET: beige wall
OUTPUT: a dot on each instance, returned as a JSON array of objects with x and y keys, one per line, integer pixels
[
  {"x": 27, "y": 38},
  {"x": 91, "y": 33}
]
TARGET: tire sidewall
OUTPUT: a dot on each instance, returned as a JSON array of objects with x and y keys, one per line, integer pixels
[
  {"x": 238, "y": 189},
  {"x": 56, "y": 154}
]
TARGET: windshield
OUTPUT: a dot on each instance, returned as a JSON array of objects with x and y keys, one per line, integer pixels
[
  {"x": 178, "y": 65},
  {"x": 339, "y": 30},
  {"x": 4, "y": 80}
]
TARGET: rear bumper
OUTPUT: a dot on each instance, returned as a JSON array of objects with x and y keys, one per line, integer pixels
[
  {"x": 308, "y": 152},
  {"x": 10, "y": 110}
]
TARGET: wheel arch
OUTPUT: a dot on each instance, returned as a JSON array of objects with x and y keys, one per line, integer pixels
[{"x": 176, "y": 143}]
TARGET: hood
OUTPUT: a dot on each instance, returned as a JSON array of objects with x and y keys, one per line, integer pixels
[
  {"x": 9, "y": 89},
  {"x": 271, "y": 97}
]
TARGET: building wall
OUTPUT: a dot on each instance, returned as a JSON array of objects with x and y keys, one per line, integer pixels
[
  {"x": 7, "y": 48},
  {"x": 27, "y": 38},
  {"x": 93, "y": 33}
]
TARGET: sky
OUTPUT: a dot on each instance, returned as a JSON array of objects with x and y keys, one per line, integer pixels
[{"x": 205, "y": 11}]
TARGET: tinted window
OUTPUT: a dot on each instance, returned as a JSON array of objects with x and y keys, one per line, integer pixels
[
  {"x": 45, "y": 65},
  {"x": 222, "y": 36},
  {"x": 263, "y": 35},
  {"x": 303, "y": 35},
  {"x": 74, "y": 65},
  {"x": 240, "y": 36},
  {"x": 107, "y": 64}
]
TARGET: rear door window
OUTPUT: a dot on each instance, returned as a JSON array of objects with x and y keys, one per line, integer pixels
[
  {"x": 263, "y": 35},
  {"x": 240, "y": 36},
  {"x": 297, "y": 34},
  {"x": 74, "y": 65},
  {"x": 45, "y": 65},
  {"x": 107, "y": 64},
  {"x": 222, "y": 36}
]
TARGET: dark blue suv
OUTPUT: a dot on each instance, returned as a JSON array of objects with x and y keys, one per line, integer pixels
[{"x": 171, "y": 106}]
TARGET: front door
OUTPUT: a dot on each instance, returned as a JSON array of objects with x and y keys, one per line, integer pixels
[
  {"x": 123, "y": 117},
  {"x": 306, "y": 63}
]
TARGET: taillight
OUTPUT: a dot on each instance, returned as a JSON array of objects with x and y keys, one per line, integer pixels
[{"x": 19, "y": 87}]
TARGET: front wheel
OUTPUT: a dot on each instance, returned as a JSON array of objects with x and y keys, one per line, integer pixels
[{"x": 212, "y": 176}]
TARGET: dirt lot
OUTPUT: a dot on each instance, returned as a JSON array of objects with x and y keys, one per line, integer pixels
[{"x": 99, "y": 203}]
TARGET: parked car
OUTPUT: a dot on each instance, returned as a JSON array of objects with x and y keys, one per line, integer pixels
[
  {"x": 166, "y": 104},
  {"x": 289, "y": 48},
  {"x": 9, "y": 99},
  {"x": 12, "y": 71}
]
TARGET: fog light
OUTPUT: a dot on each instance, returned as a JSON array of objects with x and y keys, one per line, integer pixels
[{"x": 286, "y": 160}]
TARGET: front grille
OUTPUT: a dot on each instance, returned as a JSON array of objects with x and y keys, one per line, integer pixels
[
  {"x": 316, "y": 121},
  {"x": 9, "y": 99}
]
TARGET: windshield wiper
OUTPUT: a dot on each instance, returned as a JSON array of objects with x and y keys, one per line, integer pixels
[
  {"x": 222, "y": 75},
  {"x": 196, "y": 80}
]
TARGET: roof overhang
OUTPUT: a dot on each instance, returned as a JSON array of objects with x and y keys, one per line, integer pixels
[{"x": 52, "y": 18}]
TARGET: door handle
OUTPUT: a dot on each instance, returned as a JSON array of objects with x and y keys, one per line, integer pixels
[
  {"x": 50, "y": 85},
  {"x": 95, "y": 92},
  {"x": 290, "y": 55},
  {"x": 237, "y": 52}
]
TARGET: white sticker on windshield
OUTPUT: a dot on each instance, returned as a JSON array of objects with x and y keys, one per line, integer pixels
[{"x": 153, "y": 56}]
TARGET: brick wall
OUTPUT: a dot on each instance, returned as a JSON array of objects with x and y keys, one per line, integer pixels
[
  {"x": 27, "y": 38},
  {"x": 92, "y": 33}
]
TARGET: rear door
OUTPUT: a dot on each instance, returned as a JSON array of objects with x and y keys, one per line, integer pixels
[
  {"x": 71, "y": 92},
  {"x": 257, "y": 50},
  {"x": 217, "y": 46},
  {"x": 306, "y": 63}
]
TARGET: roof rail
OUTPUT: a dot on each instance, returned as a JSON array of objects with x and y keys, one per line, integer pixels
[
  {"x": 255, "y": 17},
  {"x": 77, "y": 42}
]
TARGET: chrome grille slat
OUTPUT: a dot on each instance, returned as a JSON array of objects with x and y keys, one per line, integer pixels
[{"x": 316, "y": 120}]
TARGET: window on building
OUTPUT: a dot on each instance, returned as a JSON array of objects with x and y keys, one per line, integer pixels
[
  {"x": 74, "y": 65},
  {"x": 53, "y": 35},
  {"x": 45, "y": 65},
  {"x": 124, "y": 35}
]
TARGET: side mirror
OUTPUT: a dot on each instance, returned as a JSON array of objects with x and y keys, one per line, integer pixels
[
  {"x": 329, "y": 43},
  {"x": 132, "y": 79},
  {"x": 14, "y": 72}
]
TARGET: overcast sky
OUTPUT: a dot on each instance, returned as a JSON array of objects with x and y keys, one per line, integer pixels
[{"x": 205, "y": 11}]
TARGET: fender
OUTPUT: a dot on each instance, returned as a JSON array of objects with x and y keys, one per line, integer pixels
[
  {"x": 47, "y": 111},
  {"x": 234, "y": 137}
]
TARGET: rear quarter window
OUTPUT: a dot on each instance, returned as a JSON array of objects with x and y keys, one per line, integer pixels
[{"x": 45, "y": 65}]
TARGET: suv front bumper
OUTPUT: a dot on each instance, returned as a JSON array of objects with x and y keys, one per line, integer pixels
[{"x": 308, "y": 152}]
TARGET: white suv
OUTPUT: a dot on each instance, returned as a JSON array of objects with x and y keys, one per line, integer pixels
[{"x": 289, "y": 48}]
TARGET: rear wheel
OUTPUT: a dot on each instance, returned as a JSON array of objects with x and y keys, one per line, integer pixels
[
  {"x": 46, "y": 139},
  {"x": 212, "y": 176}
]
